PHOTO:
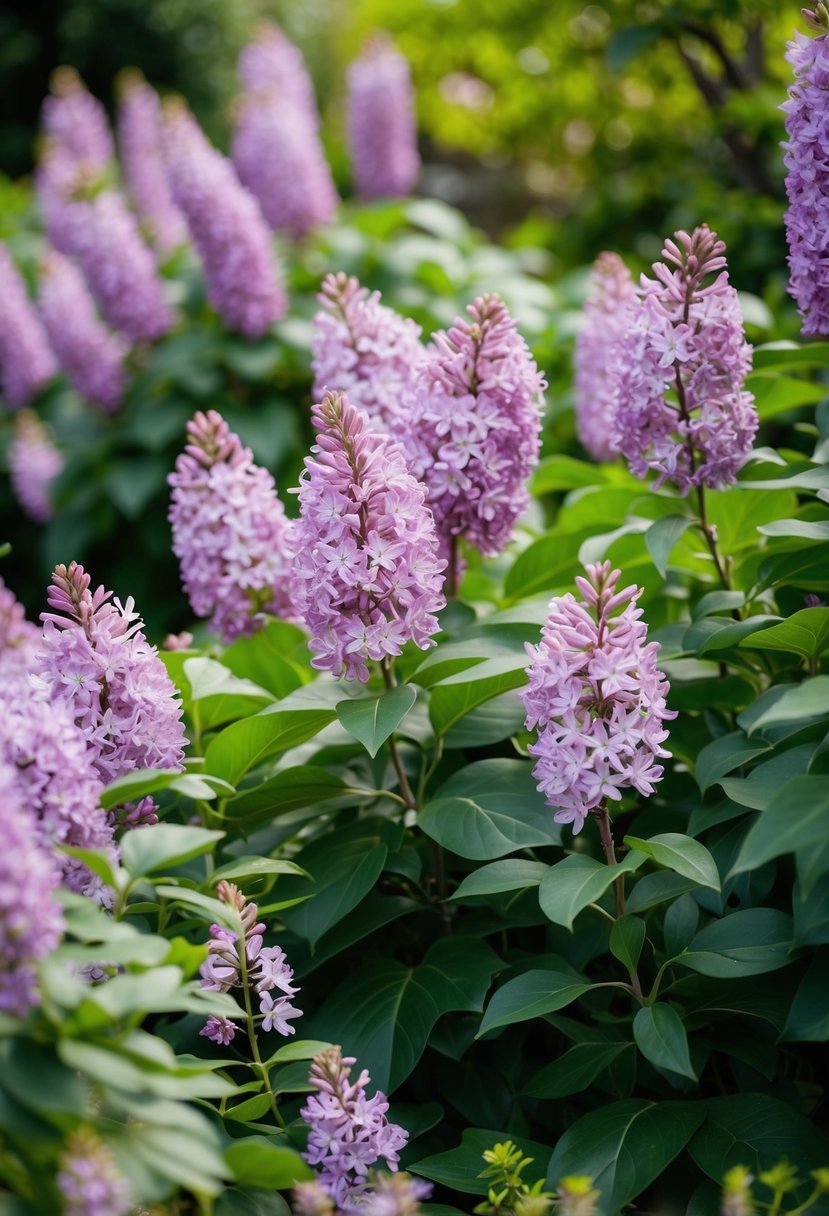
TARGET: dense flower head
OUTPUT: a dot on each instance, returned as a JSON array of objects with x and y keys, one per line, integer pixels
[
  {"x": 473, "y": 436},
  {"x": 263, "y": 969},
  {"x": 368, "y": 575},
  {"x": 89, "y": 1180},
  {"x": 19, "y": 638},
  {"x": 90, "y": 355},
  {"x": 227, "y": 227},
  {"x": 382, "y": 132},
  {"x": 96, "y": 661},
  {"x": 34, "y": 463},
  {"x": 680, "y": 405},
  {"x": 31, "y": 922},
  {"x": 279, "y": 157},
  {"x": 362, "y": 348},
  {"x": 348, "y": 1130},
  {"x": 26, "y": 362},
  {"x": 75, "y": 120},
  {"x": 272, "y": 64},
  {"x": 605, "y": 316},
  {"x": 139, "y": 141},
  {"x": 597, "y": 698},
  {"x": 230, "y": 532},
  {"x": 64, "y": 185}
]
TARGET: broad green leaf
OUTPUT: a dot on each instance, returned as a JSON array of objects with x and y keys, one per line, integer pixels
[
  {"x": 207, "y": 908},
  {"x": 807, "y": 567},
  {"x": 808, "y": 1020},
  {"x": 277, "y": 657},
  {"x": 546, "y": 563},
  {"x": 679, "y": 853},
  {"x": 250, "y": 1110},
  {"x": 460, "y": 1167},
  {"x": 775, "y": 394},
  {"x": 761, "y": 787},
  {"x": 805, "y": 633},
  {"x": 34, "y": 1075},
  {"x": 245, "y": 744},
  {"x": 531, "y": 995},
  {"x": 191, "y": 1161},
  {"x": 806, "y": 529},
  {"x": 289, "y": 790},
  {"x": 136, "y": 785},
  {"x": 575, "y": 1071},
  {"x": 251, "y": 1201},
  {"x": 208, "y": 679},
  {"x": 455, "y": 696},
  {"x": 755, "y": 1130},
  {"x": 627, "y": 937},
  {"x": 794, "y": 703},
  {"x": 796, "y": 818},
  {"x": 256, "y": 867},
  {"x": 513, "y": 874},
  {"x": 811, "y": 912},
  {"x": 723, "y": 755},
  {"x": 662, "y": 536},
  {"x": 489, "y": 809},
  {"x": 661, "y": 1038},
  {"x": 344, "y": 871},
  {"x": 452, "y": 658},
  {"x": 748, "y": 942},
  {"x": 559, "y": 472},
  {"x": 372, "y": 719},
  {"x": 494, "y": 720},
  {"x": 163, "y": 846},
  {"x": 258, "y": 1161},
  {"x": 815, "y": 477},
  {"x": 654, "y": 889},
  {"x": 570, "y": 885},
  {"x": 785, "y": 354},
  {"x": 737, "y": 513},
  {"x": 301, "y": 1049},
  {"x": 714, "y": 633}
]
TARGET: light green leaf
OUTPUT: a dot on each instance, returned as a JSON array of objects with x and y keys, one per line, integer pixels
[
  {"x": 255, "y": 867},
  {"x": 456, "y": 695},
  {"x": 805, "y": 633},
  {"x": 794, "y": 703},
  {"x": 163, "y": 846},
  {"x": 681, "y": 854},
  {"x": 258, "y": 1161},
  {"x": 245, "y": 744},
  {"x": 372, "y": 719},
  {"x": 662, "y": 536},
  {"x": 289, "y": 790}
]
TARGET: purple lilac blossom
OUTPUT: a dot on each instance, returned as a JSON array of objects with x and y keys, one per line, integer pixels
[
  {"x": 474, "y": 434},
  {"x": 312, "y": 1199},
  {"x": 368, "y": 575},
  {"x": 272, "y": 64},
  {"x": 96, "y": 661},
  {"x": 26, "y": 362},
  {"x": 31, "y": 923},
  {"x": 230, "y": 531},
  {"x": 393, "y": 1195},
  {"x": 227, "y": 227},
  {"x": 265, "y": 972},
  {"x": 75, "y": 120},
  {"x": 597, "y": 698},
  {"x": 382, "y": 132},
  {"x": 605, "y": 315},
  {"x": 362, "y": 348},
  {"x": 139, "y": 140},
  {"x": 63, "y": 187},
  {"x": 19, "y": 638},
  {"x": 348, "y": 1130},
  {"x": 680, "y": 405},
  {"x": 90, "y": 355},
  {"x": 34, "y": 463},
  {"x": 89, "y": 1180}
]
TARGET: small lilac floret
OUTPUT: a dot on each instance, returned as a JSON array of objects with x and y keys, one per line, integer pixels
[
  {"x": 605, "y": 315},
  {"x": 382, "y": 131}
]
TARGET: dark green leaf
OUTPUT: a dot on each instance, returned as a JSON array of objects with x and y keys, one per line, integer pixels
[
  {"x": 514, "y": 874},
  {"x": 748, "y": 942},
  {"x": 805, "y": 633},
  {"x": 723, "y": 755},
  {"x": 460, "y": 1167},
  {"x": 575, "y": 1071},
  {"x": 794, "y": 703},
  {"x": 627, "y": 938},
  {"x": 797, "y": 817},
  {"x": 288, "y": 790},
  {"x": 531, "y": 995},
  {"x": 570, "y": 885},
  {"x": 457, "y": 695},
  {"x": 661, "y": 1038},
  {"x": 754, "y": 1130},
  {"x": 681, "y": 854},
  {"x": 244, "y": 744},
  {"x": 808, "y": 1020},
  {"x": 372, "y": 719},
  {"x": 343, "y": 872},
  {"x": 662, "y": 536}
]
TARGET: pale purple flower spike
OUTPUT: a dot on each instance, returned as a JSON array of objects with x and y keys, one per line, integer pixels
[
  {"x": 382, "y": 132},
  {"x": 26, "y": 362},
  {"x": 139, "y": 139},
  {"x": 34, "y": 463},
  {"x": 605, "y": 317},
  {"x": 597, "y": 698},
  {"x": 368, "y": 575},
  {"x": 88, "y": 1178},
  {"x": 75, "y": 120},
  {"x": 681, "y": 407},
  {"x": 273, "y": 64}
]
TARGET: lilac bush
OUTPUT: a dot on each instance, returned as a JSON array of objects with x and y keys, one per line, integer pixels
[
  {"x": 34, "y": 463},
  {"x": 382, "y": 133},
  {"x": 26, "y": 362},
  {"x": 605, "y": 320}
]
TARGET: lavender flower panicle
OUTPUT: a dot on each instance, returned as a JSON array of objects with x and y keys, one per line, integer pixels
[
  {"x": 382, "y": 132},
  {"x": 680, "y": 405},
  {"x": 273, "y": 65},
  {"x": 34, "y": 463},
  {"x": 368, "y": 576},
  {"x": 605, "y": 316},
  {"x": 230, "y": 531},
  {"x": 19, "y": 638},
  {"x": 89, "y": 1180},
  {"x": 90, "y": 355},
  {"x": 227, "y": 227},
  {"x": 362, "y": 348},
  {"x": 26, "y": 362},
  {"x": 64, "y": 186},
  {"x": 597, "y": 698},
  {"x": 139, "y": 139},
  {"x": 75, "y": 120},
  {"x": 474, "y": 434},
  {"x": 348, "y": 1130}
]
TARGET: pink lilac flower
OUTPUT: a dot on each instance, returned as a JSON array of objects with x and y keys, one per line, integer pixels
[
  {"x": 227, "y": 227},
  {"x": 279, "y": 157},
  {"x": 368, "y": 575},
  {"x": 96, "y": 661},
  {"x": 26, "y": 362},
  {"x": 31, "y": 923},
  {"x": 266, "y": 972},
  {"x": 19, "y": 638},
  {"x": 597, "y": 698},
  {"x": 139, "y": 140},
  {"x": 366, "y": 350},
  {"x": 473, "y": 436},
  {"x": 605, "y": 316},
  {"x": 230, "y": 531},
  {"x": 34, "y": 463},
  {"x": 680, "y": 405},
  {"x": 272, "y": 64},
  {"x": 90, "y": 355},
  {"x": 88, "y": 1178},
  {"x": 348, "y": 1130},
  {"x": 75, "y": 120},
  {"x": 382, "y": 132}
]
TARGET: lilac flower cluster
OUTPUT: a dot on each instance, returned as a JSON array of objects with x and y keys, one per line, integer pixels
[
  {"x": 230, "y": 531},
  {"x": 75, "y": 120},
  {"x": 273, "y": 63},
  {"x": 382, "y": 133},
  {"x": 368, "y": 575},
  {"x": 366, "y": 350},
  {"x": 139, "y": 140},
  {"x": 264, "y": 969},
  {"x": 31, "y": 923},
  {"x": 226, "y": 225},
  {"x": 89, "y": 1180},
  {"x": 96, "y": 661},
  {"x": 385, "y": 1195},
  {"x": 681, "y": 408},
  {"x": 348, "y": 1130},
  {"x": 473, "y": 436},
  {"x": 90, "y": 355},
  {"x": 34, "y": 463},
  {"x": 597, "y": 698},
  {"x": 64, "y": 185},
  {"x": 19, "y": 638},
  {"x": 26, "y": 362},
  {"x": 605, "y": 319}
]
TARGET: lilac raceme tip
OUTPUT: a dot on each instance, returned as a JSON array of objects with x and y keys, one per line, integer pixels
[
  {"x": 139, "y": 140},
  {"x": 382, "y": 132},
  {"x": 271, "y": 64},
  {"x": 597, "y": 698},
  {"x": 76, "y": 121},
  {"x": 605, "y": 319},
  {"x": 34, "y": 463}
]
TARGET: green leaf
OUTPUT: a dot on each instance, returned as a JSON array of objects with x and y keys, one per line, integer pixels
[
  {"x": 794, "y": 703},
  {"x": 655, "y": 889},
  {"x": 257, "y": 1161},
  {"x": 775, "y": 394},
  {"x": 244, "y": 744},
  {"x": 163, "y": 846},
  {"x": 302, "y": 1049},
  {"x": 546, "y": 563},
  {"x": 575, "y": 1071},
  {"x": 559, "y": 472},
  {"x": 494, "y": 720},
  {"x": 661, "y": 1038},
  {"x": 808, "y": 1020},
  {"x": 723, "y": 755},
  {"x": 188, "y": 1160},
  {"x": 289, "y": 790},
  {"x": 531, "y": 995},
  {"x": 627, "y": 937},
  {"x": 39, "y": 1080},
  {"x": 814, "y": 478},
  {"x": 805, "y": 633},
  {"x": 807, "y": 567},
  {"x": 372, "y": 719},
  {"x": 755, "y": 1130},
  {"x": 458, "y": 694},
  {"x": 514, "y": 874},
  {"x": 737, "y": 513},
  {"x": 251, "y": 1201},
  {"x": 460, "y": 1167},
  {"x": 489, "y": 809},
  {"x": 679, "y": 853},
  {"x": 136, "y": 785},
  {"x": 786, "y": 354},
  {"x": 344, "y": 871},
  {"x": 276, "y": 657},
  {"x": 99, "y": 862},
  {"x": 748, "y": 942},
  {"x": 570, "y": 885},
  {"x": 796, "y": 818},
  {"x": 662, "y": 536},
  {"x": 806, "y": 529},
  {"x": 256, "y": 867},
  {"x": 250, "y": 1110}
]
